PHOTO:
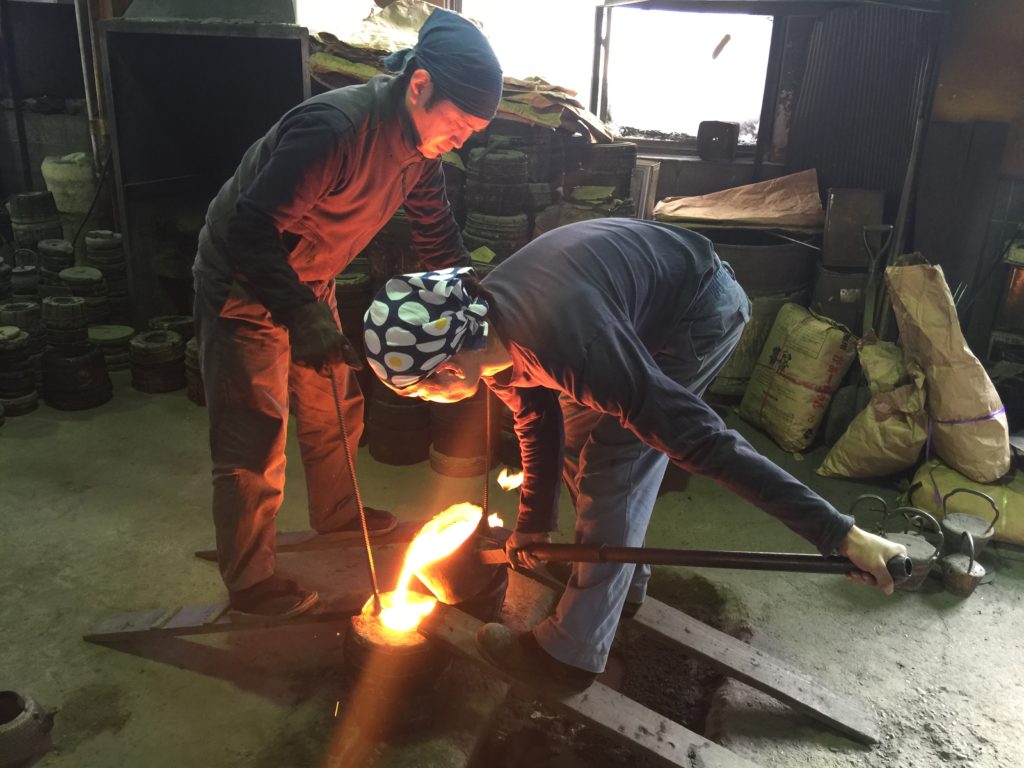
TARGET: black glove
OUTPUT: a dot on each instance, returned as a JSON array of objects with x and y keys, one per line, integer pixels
[{"x": 316, "y": 339}]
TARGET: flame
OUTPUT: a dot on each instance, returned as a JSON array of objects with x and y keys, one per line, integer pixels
[
  {"x": 495, "y": 521},
  {"x": 401, "y": 610},
  {"x": 509, "y": 482}
]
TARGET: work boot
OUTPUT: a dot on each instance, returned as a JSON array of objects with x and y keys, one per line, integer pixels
[
  {"x": 519, "y": 654},
  {"x": 378, "y": 522},
  {"x": 273, "y": 598}
]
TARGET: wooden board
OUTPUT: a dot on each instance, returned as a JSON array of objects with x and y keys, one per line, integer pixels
[
  {"x": 745, "y": 663},
  {"x": 212, "y": 618},
  {"x": 600, "y": 706},
  {"x": 339, "y": 575},
  {"x": 311, "y": 541},
  {"x": 759, "y": 670}
]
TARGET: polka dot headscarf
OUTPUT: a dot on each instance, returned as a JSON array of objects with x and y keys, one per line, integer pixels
[{"x": 418, "y": 321}]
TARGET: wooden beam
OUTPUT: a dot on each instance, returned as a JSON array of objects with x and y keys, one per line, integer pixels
[
  {"x": 213, "y": 618},
  {"x": 614, "y": 714},
  {"x": 759, "y": 670}
]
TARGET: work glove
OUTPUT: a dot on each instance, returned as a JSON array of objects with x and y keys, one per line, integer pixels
[{"x": 316, "y": 340}]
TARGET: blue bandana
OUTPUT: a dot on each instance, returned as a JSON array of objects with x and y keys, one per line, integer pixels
[
  {"x": 418, "y": 321},
  {"x": 461, "y": 63}
]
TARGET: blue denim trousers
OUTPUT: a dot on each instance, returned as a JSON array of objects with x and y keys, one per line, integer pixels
[
  {"x": 613, "y": 479},
  {"x": 252, "y": 386}
]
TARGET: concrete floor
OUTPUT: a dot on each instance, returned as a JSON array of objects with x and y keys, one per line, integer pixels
[{"x": 100, "y": 512}]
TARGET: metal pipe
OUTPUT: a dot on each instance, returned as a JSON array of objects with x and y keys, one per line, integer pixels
[
  {"x": 83, "y": 22},
  {"x": 924, "y": 109},
  {"x": 899, "y": 567},
  {"x": 595, "y": 74},
  {"x": 7, "y": 41}
]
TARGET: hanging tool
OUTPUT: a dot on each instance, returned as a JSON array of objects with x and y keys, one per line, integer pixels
[
  {"x": 899, "y": 567},
  {"x": 355, "y": 489}
]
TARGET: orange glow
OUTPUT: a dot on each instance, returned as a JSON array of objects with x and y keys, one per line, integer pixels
[
  {"x": 405, "y": 615},
  {"x": 509, "y": 482},
  {"x": 401, "y": 610},
  {"x": 495, "y": 521}
]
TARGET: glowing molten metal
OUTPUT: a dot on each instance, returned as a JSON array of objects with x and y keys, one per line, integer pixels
[
  {"x": 402, "y": 610},
  {"x": 509, "y": 482}
]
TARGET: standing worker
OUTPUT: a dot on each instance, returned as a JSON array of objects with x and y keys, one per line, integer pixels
[
  {"x": 600, "y": 336},
  {"x": 304, "y": 201}
]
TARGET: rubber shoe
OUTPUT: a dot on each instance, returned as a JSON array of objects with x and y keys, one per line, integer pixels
[
  {"x": 378, "y": 523},
  {"x": 273, "y": 598},
  {"x": 519, "y": 654}
]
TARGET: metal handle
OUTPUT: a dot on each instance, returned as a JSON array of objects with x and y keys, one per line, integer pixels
[
  {"x": 899, "y": 567},
  {"x": 880, "y": 528},
  {"x": 869, "y": 497},
  {"x": 973, "y": 492},
  {"x": 970, "y": 549}
]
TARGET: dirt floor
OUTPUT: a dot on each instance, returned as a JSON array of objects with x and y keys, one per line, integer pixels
[{"x": 100, "y": 512}]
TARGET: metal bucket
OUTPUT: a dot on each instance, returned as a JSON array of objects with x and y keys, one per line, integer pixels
[
  {"x": 956, "y": 524},
  {"x": 396, "y": 677},
  {"x": 961, "y": 573},
  {"x": 461, "y": 577},
  {"x": 921, "y": 551}
]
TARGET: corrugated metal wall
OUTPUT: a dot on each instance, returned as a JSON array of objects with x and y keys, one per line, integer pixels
[{"x": 867, "y": 70}]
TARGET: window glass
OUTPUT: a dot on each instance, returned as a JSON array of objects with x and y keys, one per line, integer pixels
[
  {"x": 550, "y": 39},
  {"x": 338, "y": 18},
  {"x": 669, "y": 70}
]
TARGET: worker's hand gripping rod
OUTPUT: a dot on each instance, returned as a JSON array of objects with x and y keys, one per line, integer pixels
[{"x": 899, "y": 567}]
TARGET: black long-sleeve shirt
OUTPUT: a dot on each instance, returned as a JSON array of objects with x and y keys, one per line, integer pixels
[
  {"x": 309, "y": 196},
  {"x": 582, "y": 310}
]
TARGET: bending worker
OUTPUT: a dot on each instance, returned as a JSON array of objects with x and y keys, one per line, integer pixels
[
  {"x": 601, "y": 335},
  {"x": 304, "y": 201}
]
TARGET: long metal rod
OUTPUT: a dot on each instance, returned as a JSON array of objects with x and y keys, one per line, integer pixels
[
  {"x": 7, "y": 43},
  {"x": 487, "y": 459},
  {"x": 897, "y": 239},
  {"x": 83, "y": 22},
  {"x": 355, "y": 490},
  {"x": 899, "y": 567}
]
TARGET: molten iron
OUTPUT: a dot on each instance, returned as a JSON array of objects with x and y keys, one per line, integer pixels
[{"x": 442, "y": 535}]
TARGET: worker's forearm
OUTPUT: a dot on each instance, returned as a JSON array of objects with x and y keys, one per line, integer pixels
[{"x": 261, "y": 259}]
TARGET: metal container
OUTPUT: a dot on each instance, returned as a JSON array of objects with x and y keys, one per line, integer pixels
[
  {"x": 956, "y": 524},
  {"x": 764, "y": 262},
  {"x": 24, "y": 729},
  {"x": 395, "y": 676},
  {"x": 961, "y": 573},
  {"x": 461, "y": 576}
]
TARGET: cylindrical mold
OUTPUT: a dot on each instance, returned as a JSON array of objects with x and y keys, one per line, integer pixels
[
  {"x": 397, "y": 428},
  {"x": 395, "y": 676},
  {"x": 459, "y": 434},
  {"x": 956, "y": 524},
  {"x": 961, "y": 573}
]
